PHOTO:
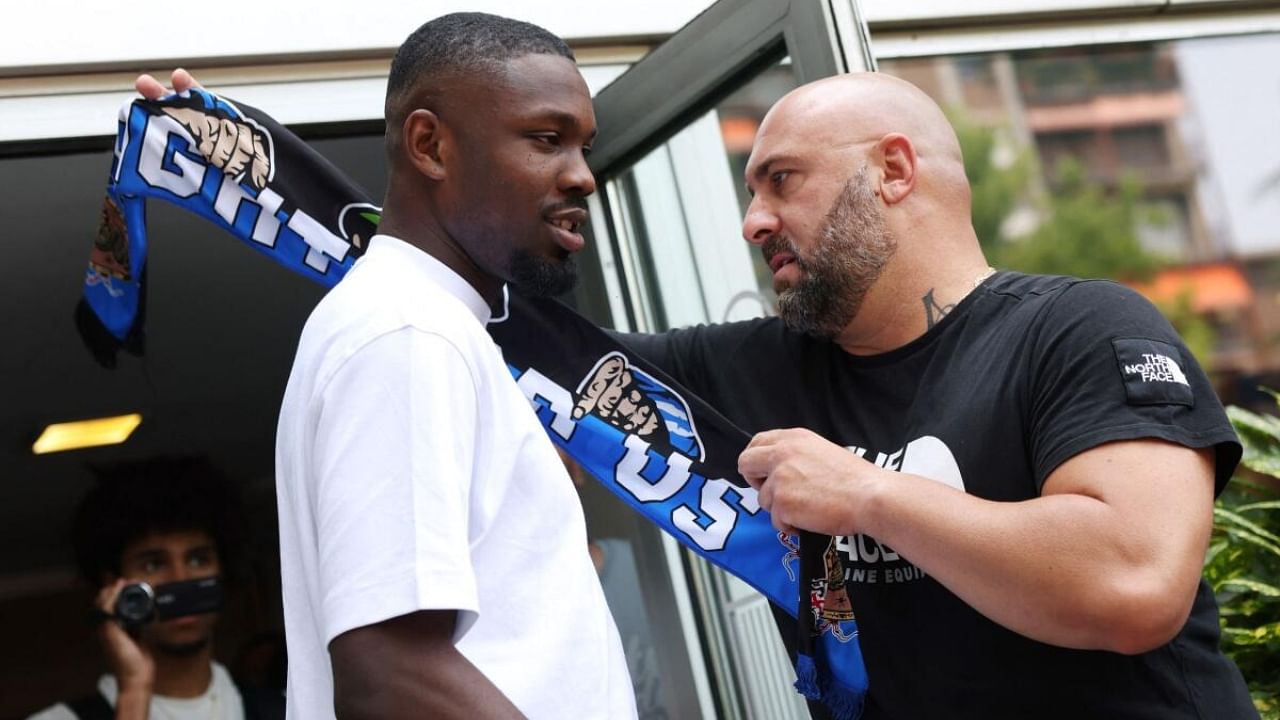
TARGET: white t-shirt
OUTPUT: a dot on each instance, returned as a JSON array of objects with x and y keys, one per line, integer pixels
[
  {"x": 221, "y": 701},
  {"x": 412, "y": 474}
]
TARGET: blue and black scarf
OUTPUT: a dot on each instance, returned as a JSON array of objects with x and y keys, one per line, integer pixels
[{"x": 664, "y": 451}]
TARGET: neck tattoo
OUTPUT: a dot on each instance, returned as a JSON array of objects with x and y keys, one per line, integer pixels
[{"x": 933, "y": 312}]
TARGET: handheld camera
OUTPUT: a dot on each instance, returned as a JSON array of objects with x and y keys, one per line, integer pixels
[{"x": 140, "y": 603}]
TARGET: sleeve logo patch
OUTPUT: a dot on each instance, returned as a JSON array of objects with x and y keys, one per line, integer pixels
[{"x": 1152, "y": 372}]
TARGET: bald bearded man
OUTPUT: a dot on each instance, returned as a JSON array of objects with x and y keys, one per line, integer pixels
[{"x": 1019, "y": 470}]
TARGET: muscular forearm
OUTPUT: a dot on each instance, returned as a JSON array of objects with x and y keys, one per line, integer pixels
[{"x": 1065, "y": 569}]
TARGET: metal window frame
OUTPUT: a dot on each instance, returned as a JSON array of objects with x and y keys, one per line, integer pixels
[
  {"x": 728, "y": 41},
  {"x": 677, "y": 83}
]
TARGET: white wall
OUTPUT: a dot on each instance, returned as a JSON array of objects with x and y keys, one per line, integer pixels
[
  {"x": 66, "y": 66},
  {"x": 83, "y": 33}
]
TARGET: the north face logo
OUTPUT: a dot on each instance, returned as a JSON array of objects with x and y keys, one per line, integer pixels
[
  {"x": 1157, "y": 368},
  {"x": 1151, "y": 371}
]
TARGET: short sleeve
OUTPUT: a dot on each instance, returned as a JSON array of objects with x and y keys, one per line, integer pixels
[
  {"x": 661, "y": 349},
  {"x": 695, "y": 356},
  {"x": 1107, "y": 366},
  {"x": 392, "y": 468}
]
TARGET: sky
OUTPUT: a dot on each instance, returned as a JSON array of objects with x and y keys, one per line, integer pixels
[{"x": 1232, "y": 86}]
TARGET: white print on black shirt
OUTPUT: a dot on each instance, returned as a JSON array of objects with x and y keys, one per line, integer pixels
[
  {"x": 1157, "y": 368},
  {"x": 927, "y": 457}
]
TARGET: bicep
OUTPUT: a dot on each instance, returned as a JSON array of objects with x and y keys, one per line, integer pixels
[
  {"x": 387, "y": 660},
  {"x": 408, "y": 667},
  {"x": 360, "y": 655},
  {"x": 1160, "y": 495}
]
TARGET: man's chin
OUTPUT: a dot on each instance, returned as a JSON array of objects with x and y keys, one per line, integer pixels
[
  {"x": 181, "y": 636},
  {"x": 816, "y": 314},
  {"x": 533, "y": 276},
  {"x": 177, "y": 647}
]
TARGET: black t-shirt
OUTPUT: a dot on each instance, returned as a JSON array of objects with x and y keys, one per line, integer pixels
[{"x": 1024, "y": 373}]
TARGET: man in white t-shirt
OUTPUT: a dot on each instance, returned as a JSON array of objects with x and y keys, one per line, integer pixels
[{"x": 433, "y": 549}]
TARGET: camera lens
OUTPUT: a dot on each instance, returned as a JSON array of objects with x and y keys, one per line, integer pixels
[{"x": 135, "y": 604}]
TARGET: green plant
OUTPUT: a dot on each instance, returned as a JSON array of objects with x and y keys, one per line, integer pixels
[
  {"x": 1090, "y": 230},
  {"x": 1085, "y": 229},
  {"x": 1243, "y": 562}
]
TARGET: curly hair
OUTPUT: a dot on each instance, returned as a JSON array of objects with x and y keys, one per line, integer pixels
[{"x": 133, "y": 499}]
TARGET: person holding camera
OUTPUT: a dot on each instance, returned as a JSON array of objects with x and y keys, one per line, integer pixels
[{"x": 156, "y": 537}]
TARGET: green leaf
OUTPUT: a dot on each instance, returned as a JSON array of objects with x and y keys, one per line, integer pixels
[
  {"x": 1246, "y": 525},
  {"x": 1258, "y": 587},
  {"x": 372, "y": 217},
  {"x": 1248, "y": 537},
  {"x": 1265, "y": 424},
  {"x": 1273, "y": 393},
  {"x": 1260, "y": 435},
  {"x": 1215, "y": 549},
  {"x": 1261, "y": 635},
  {"x": 1265, "y": 464}
]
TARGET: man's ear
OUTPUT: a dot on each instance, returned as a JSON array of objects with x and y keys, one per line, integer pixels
[
  {"x": 898, "y": 161},
  {"x": 422, "y": 136}
]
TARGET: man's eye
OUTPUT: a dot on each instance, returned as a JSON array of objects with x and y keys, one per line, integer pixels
[
  {"x": 586, "y": 151},
  {"x": 150, "y": 566},
  {"x": 201, "y": 559},
  {"x": 549, "y": 139},
  {"x": 779, "y": 177}
]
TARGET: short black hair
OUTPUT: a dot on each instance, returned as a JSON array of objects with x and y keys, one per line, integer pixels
[
  {"x": 464, "y": 43},
  {"x": 133, "y": 499}
]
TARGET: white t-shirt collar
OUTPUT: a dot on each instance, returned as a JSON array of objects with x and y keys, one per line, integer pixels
[{"x": 428, "y": 265}]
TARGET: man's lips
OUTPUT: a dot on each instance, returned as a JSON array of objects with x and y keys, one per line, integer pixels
[
  {"x": 780, "y": 259},
  {"x": 565, "y": 225}
]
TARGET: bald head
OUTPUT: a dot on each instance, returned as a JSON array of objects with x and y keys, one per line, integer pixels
[
  {"x": 853, "y": 112},
  {"x": 844, "y": 110}
]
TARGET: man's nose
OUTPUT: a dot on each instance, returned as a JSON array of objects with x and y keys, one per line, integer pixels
[
  {"x": 760, "y": 223},
  {"x": 577, "y": 179}
]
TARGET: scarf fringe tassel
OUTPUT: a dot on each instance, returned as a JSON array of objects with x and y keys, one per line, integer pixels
[{"x": 844, "y": 703}]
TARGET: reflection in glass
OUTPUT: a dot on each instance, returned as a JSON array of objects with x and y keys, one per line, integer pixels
[{"x": 682, "y": 206}]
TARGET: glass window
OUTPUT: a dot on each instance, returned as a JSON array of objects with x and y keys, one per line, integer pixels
[{"x": 691, "y": 188}]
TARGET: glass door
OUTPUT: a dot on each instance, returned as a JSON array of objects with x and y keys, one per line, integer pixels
[{"x": 675, "y": 132}]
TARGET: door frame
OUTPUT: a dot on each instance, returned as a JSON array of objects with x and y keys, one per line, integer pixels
[{"x": 675, "y": 84}]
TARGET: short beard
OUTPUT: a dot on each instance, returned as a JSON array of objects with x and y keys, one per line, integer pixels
[
  {"x": 540, "y": 276},
  {"x": 852, "y": 250}
]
